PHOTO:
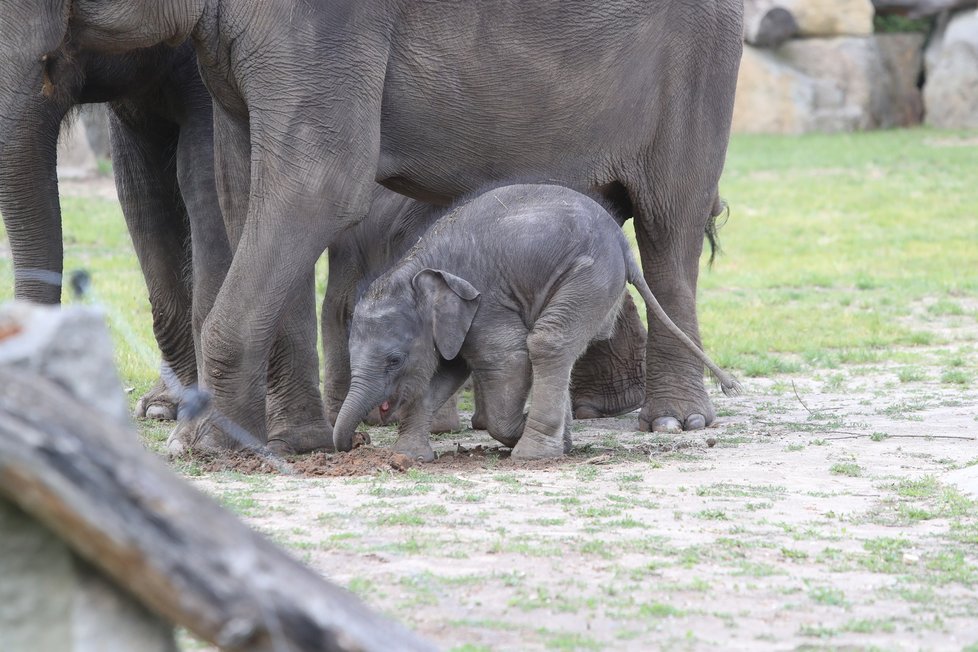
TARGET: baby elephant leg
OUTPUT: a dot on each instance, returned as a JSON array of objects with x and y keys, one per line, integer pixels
[
  {"x": 559, "y": 337},
  {"x": 503, "y": 391},
  {"x": 416, "y": 418}
]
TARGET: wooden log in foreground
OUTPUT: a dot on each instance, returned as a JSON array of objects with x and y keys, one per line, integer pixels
[
  {"x": 919, "y": 8},
  {"x": 88, "y": 479},
  {"x": 767, "y": 24}
]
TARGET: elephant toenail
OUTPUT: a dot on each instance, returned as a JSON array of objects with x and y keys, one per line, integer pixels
[
  {"x": 695, "y": 422},
  {"x": 666, "y": 424}
]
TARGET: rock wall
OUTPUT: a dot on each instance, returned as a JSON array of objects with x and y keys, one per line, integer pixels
[
  {"x": 951, "y": 90},
  {"x": 836, "y": 75}
]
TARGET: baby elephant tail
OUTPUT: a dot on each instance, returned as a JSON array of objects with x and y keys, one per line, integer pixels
[{"x": 728, "y": 383}]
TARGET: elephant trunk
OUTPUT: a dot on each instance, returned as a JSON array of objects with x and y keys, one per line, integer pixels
[{"x": 361, "y": 399}]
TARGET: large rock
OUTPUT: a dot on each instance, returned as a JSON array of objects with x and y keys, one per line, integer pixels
[
  {"x": 831, "y": 17},
  {"x": 76, "y": 159},
  {"x": 951, "y": 88},
  {"x": 830, "y": 85}
]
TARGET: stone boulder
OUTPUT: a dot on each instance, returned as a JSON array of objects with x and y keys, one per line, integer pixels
[
  {"x": 830, "y": 85},
  {"x": 951, "y": 88},
  {"x": 831, "y": 17},
  {"x": 76, "y": 159}
]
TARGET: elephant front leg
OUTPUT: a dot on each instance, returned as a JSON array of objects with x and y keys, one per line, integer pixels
[
  {"x": 296, "y": 416},
  {"x": 416, "y": 418},
  {"x": 609, "y": 379}
]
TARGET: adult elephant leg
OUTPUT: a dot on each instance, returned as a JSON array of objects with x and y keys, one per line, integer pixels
[
  {"x": 336, "y": 315},
  {"x": 296, "y": 416},
  {"x": 29, "y": 202},
  {"x": 210, "y": 247},
  {"x": 673, "y": 205},
  {"x": 268, "y": 285},
  {"x": 609, "y": 379},
  {"x": 143, "y": 154}
]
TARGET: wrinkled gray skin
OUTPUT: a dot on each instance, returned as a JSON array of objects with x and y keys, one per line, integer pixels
[
  {"x": 314, "y": 101},
  {"x": 608, "y": 380},
  {"x": 161, "y": 135},
  {"x": 162, "y": 145},
  {"x": 512, "y": 287}
]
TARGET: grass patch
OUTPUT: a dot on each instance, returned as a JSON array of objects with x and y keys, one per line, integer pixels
[{"x": 850, "y": 469}]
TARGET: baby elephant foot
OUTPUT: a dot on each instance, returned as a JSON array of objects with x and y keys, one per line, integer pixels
[
  {"x": 158, "y": 403},
  {"x": 536, "y": 445},
  {"x": 446, "y": 420},
  {"x": 479, "y": 421},
  {"x": 208, "y": 435},
  {"x": 416, "y": 449},
  {"x": 296, "y": 440}
]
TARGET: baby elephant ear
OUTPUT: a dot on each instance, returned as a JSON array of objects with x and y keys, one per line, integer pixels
[{"x": 453, "y": 303}]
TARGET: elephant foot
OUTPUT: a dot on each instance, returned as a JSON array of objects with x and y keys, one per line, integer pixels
[
  {"x": 670, "y": 415},
  {"x": 209, "y": 434},
  {"x": 419, "y": 451},
  {"x": 158, "y": 403},
  {"x": 299, "y": 439},
  {"x": 479, "y": 421},
  {"x": 446, "y": 419},
  {"x": 536, "y": 445}
]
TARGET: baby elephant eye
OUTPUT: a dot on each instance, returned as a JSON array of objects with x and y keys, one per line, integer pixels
[{"x": 395, "y": 360}]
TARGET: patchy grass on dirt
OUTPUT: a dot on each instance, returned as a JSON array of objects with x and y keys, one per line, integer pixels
[{"x": 827, "y": 509}]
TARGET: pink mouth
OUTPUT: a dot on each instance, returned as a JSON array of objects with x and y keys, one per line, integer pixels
[{"x": 385, "y": 409}]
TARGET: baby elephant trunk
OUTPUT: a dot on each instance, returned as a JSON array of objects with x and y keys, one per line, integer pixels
[{"x": 361, "y": 399}]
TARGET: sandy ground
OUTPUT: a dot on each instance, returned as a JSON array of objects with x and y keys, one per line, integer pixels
[{"x": 831, "y": 511}]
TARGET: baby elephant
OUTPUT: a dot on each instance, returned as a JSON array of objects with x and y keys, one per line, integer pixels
[{"x": 510, "y": 287}]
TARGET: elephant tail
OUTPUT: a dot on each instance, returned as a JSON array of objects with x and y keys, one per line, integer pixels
[
  {"x": 727, "y": 383},
  {"x": 718, "y": 217}
]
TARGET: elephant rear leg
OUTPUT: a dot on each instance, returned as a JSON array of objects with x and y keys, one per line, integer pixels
[
  {"x": 571, "y": 320},
  {"x": 146, "y": 177}
]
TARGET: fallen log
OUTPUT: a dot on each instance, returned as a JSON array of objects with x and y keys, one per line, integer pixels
[
  {"x": 86, "y": 477},
  {"x": 767, "y": 24},
  {"x": 919, "y": 8}
]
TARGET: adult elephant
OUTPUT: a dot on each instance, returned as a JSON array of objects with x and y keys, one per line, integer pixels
[
  {"x": 161, "y": 136},
  {"x": 162, "y": 145},
  {"x": 314, "y": 100}
]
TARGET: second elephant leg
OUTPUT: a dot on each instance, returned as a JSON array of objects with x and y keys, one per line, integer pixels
[
  {"x": 296, "y": 415},
  {"x": 146, "y": 178}
]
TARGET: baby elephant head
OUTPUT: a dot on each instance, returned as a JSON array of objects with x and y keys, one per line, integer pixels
[{"x": 400, "y": 332}]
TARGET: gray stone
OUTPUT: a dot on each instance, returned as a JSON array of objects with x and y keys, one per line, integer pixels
[
  {"x": 831, "y": 17},
  {"x": 76, "y": 160},
  {"x": 951, "y": 88},
  {"x": 95, "y": 119},
  {"x": 830, "y": 85}
]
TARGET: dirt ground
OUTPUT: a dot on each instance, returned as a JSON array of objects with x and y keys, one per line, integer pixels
[{"x": 833, "y": 510}]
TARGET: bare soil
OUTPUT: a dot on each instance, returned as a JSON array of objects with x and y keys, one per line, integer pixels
[{"x": 824, "y": 510}]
